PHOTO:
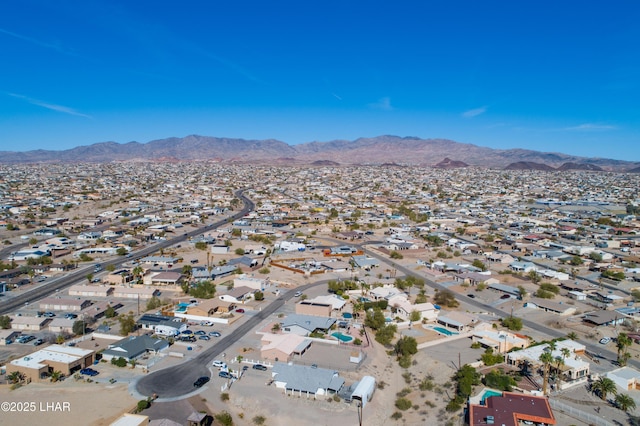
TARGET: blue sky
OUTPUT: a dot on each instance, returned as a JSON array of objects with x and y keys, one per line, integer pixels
[{"x": 544, "y": 75}]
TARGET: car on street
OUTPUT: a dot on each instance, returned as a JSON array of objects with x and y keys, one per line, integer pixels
[
  {"x": 298, "y": 294},
  {"x": 204, "y": 338},
  {"x": 259, "y": 367},
  {"x": 473, "y": 296},
  {"x": 605, "y": 340},
  {"x": 201, "y": 381},
  {"x": 240, "y": 311},
  {"x": 215, "y": 334}
]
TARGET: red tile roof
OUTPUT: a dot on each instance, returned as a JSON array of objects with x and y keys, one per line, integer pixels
[{"x": 510, "y": 408}]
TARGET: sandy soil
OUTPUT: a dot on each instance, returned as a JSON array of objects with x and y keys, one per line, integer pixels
[{"x": 66, "y": 403}]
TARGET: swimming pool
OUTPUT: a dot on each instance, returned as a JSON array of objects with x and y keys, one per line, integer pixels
[
  {"x": 342, "y": 337},
  {"x": 487, "y": 393},
  {"x": 444, "y": 331},
  {"x": 182, "y": 307}
]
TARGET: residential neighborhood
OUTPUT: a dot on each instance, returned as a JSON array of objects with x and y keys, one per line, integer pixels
[{"x": 338, "y": 293}]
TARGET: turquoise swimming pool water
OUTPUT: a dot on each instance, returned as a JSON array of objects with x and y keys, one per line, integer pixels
[
  {"x": 487, "y": 393},
  {"x": 342, "y": 337},
  {"x": 444, "y": 331},
  {"x": 181, "y": 307}
]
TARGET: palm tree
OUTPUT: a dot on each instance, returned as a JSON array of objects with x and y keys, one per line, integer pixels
[
  {"x": 622, "y": 343},
  {"x": 625, "y": 402},
  {"x": 56, "y": 375},
  {"x": 604, "y": 386},
  {"x": 15, "y": 377},
  {"x": 572, "y": 336},
  {"x": 546, "y": 358},
  {"x": 559, "y": 363}
]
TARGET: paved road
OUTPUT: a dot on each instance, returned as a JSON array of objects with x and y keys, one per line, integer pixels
[
  {"x": 178, "y": 380},
  {"x": 9, "y": 305},
  {"x": 553, "y": 333}
]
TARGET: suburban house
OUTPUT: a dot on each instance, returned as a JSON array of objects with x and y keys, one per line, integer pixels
[
  {"x": 625, "y": 378},
  {"x": 163, "y": 278},
  {"x": 574, "y": 367},
  {"x": 160, "y": 324},
  {"x": 511, "y": 409},
  {"x": 237, "y": 295},
  {"x": 499, "y": 341},
  {"x": 547, "y": 305},
  {"x": 401, "y": 307},
  {"x": 459, "y": 321},
  {"x": 283, "y": 347},
  {"x": 251, "y": 282},
  {"x": 40, "y": 364},
  {"x": 309, "y": 381},
  {"x": 304, "y": 325},
  {"x": 133, "y": 347},
  {"x": 333, "y": 301}
]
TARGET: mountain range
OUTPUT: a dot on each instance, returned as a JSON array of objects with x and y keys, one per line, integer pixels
[{"x": 378, "y": 150}]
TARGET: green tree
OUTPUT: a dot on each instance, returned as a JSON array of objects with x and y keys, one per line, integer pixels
[
  {"x": 534, "y": 276},
  {"x": 572, "y": 336},
  {"x": 522, "y": 292},
  {"x": 5, "y": 322},
  {"x": 258, "y": 295},
  {"x": 415, "y": 316},
  {"x": 489, "y": 358},
  {"x": 224, "y": 418},
  {"x": 56, "y": 375},
  {"x": 395, "y": 255},
  {"x": 203, "y": 290},
  {"x": 15, "y": 377},
  {"x": 79, "y": 327},
  {"x": 603, "y": 387},
  {"x": 375, "y": 319},
  {"x": 127, "y": 324},
  {"x": 512, "y": 323},
  {"x": 466, "y": 377},
  {"x": 406, "y": 345},
  {"x": 576, "y": 261},
  {"x": 154, "y": 303},
  {"x": 625, "y": 402},
  {"x": 201, "y": 245},
  {"x": 498, "y": 380},
  {"x": 479, "y": 264},
  {"x": 385, "y": 334},
  {"x": 89, "y": 278},
  {"x": 622, "y": 343},
  {"x": 239, "y": 251},
  {"x": 110, "y": 268},
  {"x": 445, "y": 298},
  {"x": 236, "y": 232},
  {"x": 110, "y": 312},
  {"x": 121, "y": 251},
  {"x": 546, "y": 359}
]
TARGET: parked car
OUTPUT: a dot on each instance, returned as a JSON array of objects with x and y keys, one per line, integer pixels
[
  {"x": 605, "y": 340},
  {"x": 201, "y": 381},
  {"x": 89, "y": 372},
  {"x": 204, "y": 337},
  {"x": 225, "y": 375},
  {"x": 240, "y": 311},
  {"x": 505, "y": 296},
  {"x": 71, "y": 316},
  {"x": 200, "y": 333},
  {"x": 260, "y": 367},
  {"x": 219, "y": 364},
  {"x": 49, "y": 314},
  {"x": 215, "y": 334},
  {"x": 38, "y": 342},
  {"x": 187, "y": 332}
]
